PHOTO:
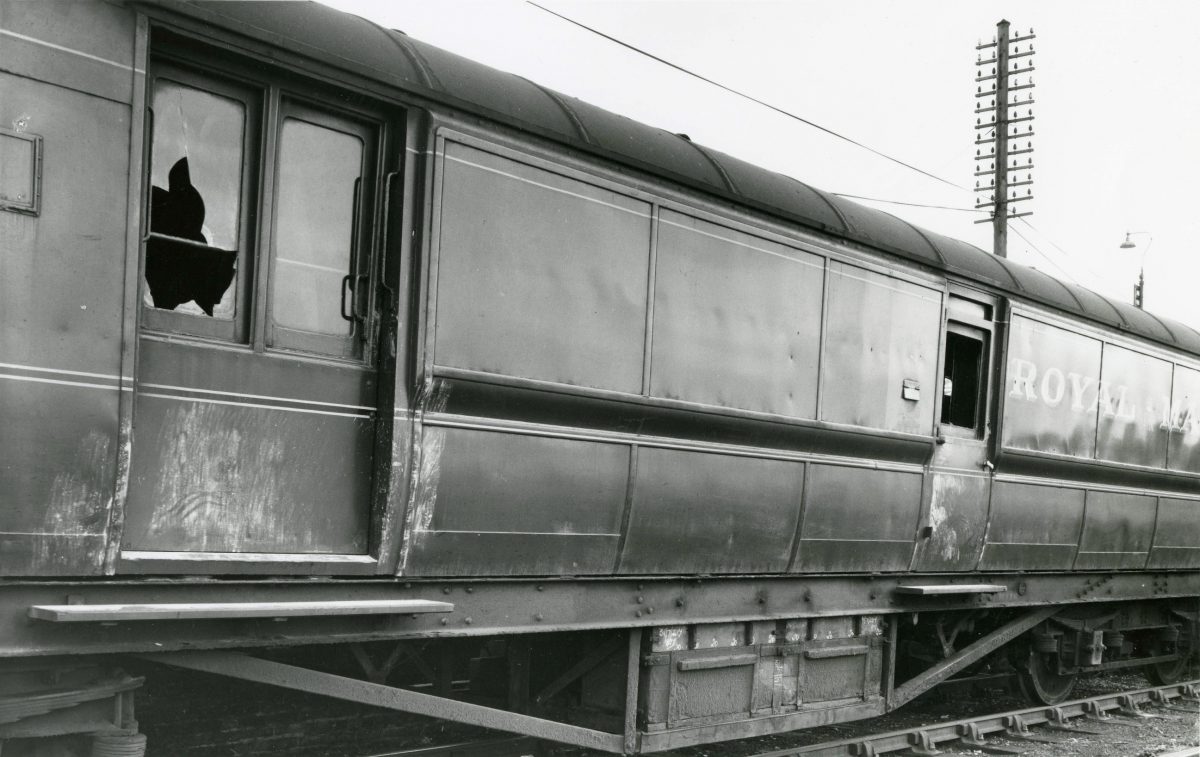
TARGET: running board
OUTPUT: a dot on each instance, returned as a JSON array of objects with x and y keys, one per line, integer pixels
[
  {"x": 233, "y": 610},
  {"x": 933, "y": 589}
]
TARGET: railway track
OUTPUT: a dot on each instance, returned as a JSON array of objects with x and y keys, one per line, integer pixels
[
  {"x": 1084, "y": 726},
  {"x": 1051, "y": 724}
]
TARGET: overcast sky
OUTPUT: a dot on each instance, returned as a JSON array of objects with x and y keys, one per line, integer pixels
[{"x": 1117, "y": 129}]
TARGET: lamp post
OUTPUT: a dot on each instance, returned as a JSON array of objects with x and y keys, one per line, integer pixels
[{"x": 1139, "y": 289}]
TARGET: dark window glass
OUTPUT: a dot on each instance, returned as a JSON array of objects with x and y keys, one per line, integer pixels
[
  {"x": 320, "y": 170},
  {"x": 196, "y": 167},
  {"x": 962, "y": 383}
]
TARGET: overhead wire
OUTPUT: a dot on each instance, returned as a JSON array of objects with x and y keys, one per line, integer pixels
[
  {"x": 902, "y": 202},
  {"x": 751, "y": 98},
  {"x": 1044, "y": 256},
  {"x": 831, "y": 132}
]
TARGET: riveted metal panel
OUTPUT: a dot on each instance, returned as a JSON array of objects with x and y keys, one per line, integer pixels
[
  {"x": 1033, "y": 527},
  {"x": 539, "y": 276},
  {"x": 1184, "y": 446},
  {"x": 1177, "y": 534},
  {"x": 1132, "y": 409},
  {"x": 695, "y": 512},
  {"x": 737, "y": 319},
  {"x": 882, "y": 333},
  {"x": 858, "y": 519},
  {"x": 492, "y": 503},
  {"x": 1052, "y": 394},
  {"x": 227, "y": 476},
  {"x": 1117, "y": 530}
]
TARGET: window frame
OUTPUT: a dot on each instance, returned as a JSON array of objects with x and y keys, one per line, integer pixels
[
  {"x": 235, "y": 330},
  {"x": 268, "y": 93},
  {"x": 971, "y": 318},
  {"x": 363, "y": 252},
  {"x": 981, "y": 337}
]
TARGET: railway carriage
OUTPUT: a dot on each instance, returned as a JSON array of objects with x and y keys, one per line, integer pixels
[{"x": 316, "y": 337}]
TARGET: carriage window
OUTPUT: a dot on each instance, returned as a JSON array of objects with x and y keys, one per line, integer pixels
[
  {"x": 196, "y": 165},
  {"x": 963, "y": 377},
  {"x": 320, "y": 172}
]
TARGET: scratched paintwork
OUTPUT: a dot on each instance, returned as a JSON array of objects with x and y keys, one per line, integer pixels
[
  {"x": 226, "y": 478},
  {"x": 60, "y": 283}
]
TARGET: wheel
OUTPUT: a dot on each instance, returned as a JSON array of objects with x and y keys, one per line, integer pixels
[
  {"x": 1174, "y": 671},
  {"x": 1039, "y": 682}
]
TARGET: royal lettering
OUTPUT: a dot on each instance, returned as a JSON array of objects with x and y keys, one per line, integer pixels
[{"x": 1086, "y": 394}]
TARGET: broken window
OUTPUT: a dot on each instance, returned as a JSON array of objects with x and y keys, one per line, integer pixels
[
  {"x": 196, "y": 166},
  {"x": 963, "y": 377}
]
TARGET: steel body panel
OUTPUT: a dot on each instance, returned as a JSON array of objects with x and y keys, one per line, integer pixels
[
  {"x": 87, "y": 47},
  {"x": 736, "y": 319},
  {"x": 1117, "y": 531},
  {"x": 882, "y": 331},
  {"x": 500, "y": 504},
  {"x": 496, "y": 607},
  {"x": 1140, "y": 387},
  {"x": 1177, "y": 534},
  {"x": 548, "y": 278},
  {"x": 1183, "y": 451},
  {"x": 858, "y": 520},
  {"x": 60, "y": 336},
  {"x": 1033, "y": 527},
  {"x": 58, "y": 476},
  {"x": 956, "y": 519},
  {"x": 694, "y": 512},
  {"x": 235, "y": 373},
  {"x": 233, "y": 477},
  {"x": 1051, "y": 407},
  {"x": 1129, "y": 421}
]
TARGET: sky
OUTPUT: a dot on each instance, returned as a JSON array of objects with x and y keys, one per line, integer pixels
[{"x": 1117, "y": 107}]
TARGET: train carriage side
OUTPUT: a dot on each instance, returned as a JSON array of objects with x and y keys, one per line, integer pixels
[{"x": 290, "y": 298}]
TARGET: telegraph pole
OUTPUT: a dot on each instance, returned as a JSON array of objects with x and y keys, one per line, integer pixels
[{"x": 1001, "y": 130}]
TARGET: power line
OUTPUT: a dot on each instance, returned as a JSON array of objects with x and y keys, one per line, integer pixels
[
  {"x": 767, "y": 105},
  {"x": 1073, "y": 258},
  {"x": 1045, "y": 256},
  {"x": 910, "y": 204}
]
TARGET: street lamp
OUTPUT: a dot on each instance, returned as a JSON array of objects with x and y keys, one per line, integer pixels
[{"x": 1139, "y": 289}]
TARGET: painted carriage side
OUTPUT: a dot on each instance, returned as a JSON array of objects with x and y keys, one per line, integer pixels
[
  {"x": 1109, "y": 426},
  {"x": 69, "y": 78},
  {"x": 657, "y": 305},
  {"x": 257, "y": 401}
]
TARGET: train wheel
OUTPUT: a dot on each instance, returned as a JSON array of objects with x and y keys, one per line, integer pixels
[
  {"x": 1040, "y": 683},
  {"x": 1167, "y": 673}
]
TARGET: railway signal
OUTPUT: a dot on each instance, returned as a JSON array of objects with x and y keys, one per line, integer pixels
[{"x": 1004, "y": 129}]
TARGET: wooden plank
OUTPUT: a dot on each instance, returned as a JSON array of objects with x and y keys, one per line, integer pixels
[{"x": 232, "y": 610}]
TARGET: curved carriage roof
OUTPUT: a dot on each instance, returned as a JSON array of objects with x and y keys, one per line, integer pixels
[{"x": 392, "y": 58}]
